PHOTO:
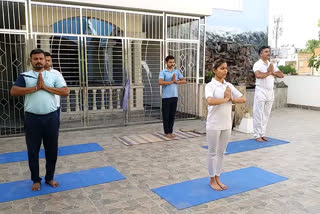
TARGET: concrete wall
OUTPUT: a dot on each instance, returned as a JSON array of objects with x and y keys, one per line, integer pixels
[
  {"x": 302, "y": 65},
  {"x": 303, "y": 90},
  {"x": 280, "y": 98}
]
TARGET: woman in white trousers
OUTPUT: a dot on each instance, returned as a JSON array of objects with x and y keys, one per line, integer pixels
[{"x": 219, "y": 95}]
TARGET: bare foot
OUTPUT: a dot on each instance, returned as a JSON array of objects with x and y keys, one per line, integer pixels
[
  {"x": 265, "y": 139},
  {"x": 224, "y": 187},
  {"x": 214, "y": 185},
  {"x": 53, "y": 183},
  {"x": 35, "y": 186},
  {"x": 259, "y": 139},
  {"x": 168, "y": 136},
  {"x": 173, "y": 135}
]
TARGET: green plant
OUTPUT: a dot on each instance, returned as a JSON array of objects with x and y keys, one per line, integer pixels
[
  {"x": 209, "y": 76},
  {"x": 310, "y": 46},
  {"x": 287, "y": 69},
  {"x": 314, "y": 62}
]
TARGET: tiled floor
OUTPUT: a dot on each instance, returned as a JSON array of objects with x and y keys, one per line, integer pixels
[{"x": 153, "y": 165}]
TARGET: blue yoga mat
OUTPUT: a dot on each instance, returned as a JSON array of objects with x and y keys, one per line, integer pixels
[
  {"x": 68, "y": 181},
  {"x": 64, "y": 150},
  {"x": 195, "y": 192},
  {"x": 250, "y": 144}
]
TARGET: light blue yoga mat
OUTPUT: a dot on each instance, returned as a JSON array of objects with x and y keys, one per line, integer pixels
[
  {"x": 250, "y": 144},
  {"x": 68, "y": 181},
  {"x": 195, "y": 192},
  {"x": 63, "y": 150}
]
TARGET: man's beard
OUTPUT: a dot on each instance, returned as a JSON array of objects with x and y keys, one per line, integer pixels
[{"x": 37, "y": 66}]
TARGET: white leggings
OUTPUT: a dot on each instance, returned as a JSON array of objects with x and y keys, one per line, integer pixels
[{"x": 217, "y": 143}]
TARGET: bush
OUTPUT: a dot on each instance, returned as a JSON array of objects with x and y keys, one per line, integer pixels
[
  {"x": 287, "y": 69},
  {"x": 314, "y": 62},
  {"x": 209, "y": 76}
]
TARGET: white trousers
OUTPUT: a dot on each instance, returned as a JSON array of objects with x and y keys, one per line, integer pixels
[
  {"x": 262, "y": 105},
  {"x": 217, "y": 143}
]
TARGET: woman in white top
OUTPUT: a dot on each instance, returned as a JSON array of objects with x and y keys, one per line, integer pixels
[{"x": 219, "y": 95}]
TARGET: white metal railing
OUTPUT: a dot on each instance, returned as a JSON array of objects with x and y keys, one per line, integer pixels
[
  {"x": 185, "y": 28},
  {"x": 13, "y": 16},
  {"x": 110, "y": 98},
  {"x": 100, "y": 99},
  {"x": 131, "y": 44}
]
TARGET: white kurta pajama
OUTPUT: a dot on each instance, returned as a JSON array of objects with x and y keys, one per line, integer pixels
[{"x": 263, "y": 99}]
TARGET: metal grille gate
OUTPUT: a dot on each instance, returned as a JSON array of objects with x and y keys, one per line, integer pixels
[
  {"x": 13, "y": 34},
  {"x": 97, "y": 51}
]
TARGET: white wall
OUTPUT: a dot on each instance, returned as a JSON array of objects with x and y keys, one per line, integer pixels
[
  {"x": 303, "y": 90},
  {"x": 280, "y": 98}
]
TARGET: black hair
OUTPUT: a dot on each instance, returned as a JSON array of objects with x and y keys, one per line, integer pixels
[
  {"x": 168, "y": 58},
  {"x": 217, "y": 63},
  {"x": 262, "y": 48},
  {"x": 36, "y": 51},
  {"x": 47, "y": 54}
]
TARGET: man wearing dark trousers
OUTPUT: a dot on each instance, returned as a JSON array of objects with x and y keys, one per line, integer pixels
[
  {"x": 169, "y": 79},
  {"x": 41, "y": 122}
]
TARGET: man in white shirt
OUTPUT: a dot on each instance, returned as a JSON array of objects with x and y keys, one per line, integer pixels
[
  {"x": 48, "y": 67},
  {"x": 265, "y": 73}
]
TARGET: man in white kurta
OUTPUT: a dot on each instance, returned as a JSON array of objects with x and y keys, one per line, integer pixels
[
  {"x": 48, "y": 67},
  {"x": 265, "y": 73}
]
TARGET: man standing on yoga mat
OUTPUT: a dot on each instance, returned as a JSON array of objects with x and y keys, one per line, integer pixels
[
  {"x": 219, "y": 95},
  {"x": 265, "y": 73},
  {"x": 169, "y": 79},
  {"x": 41, "y": 121}
]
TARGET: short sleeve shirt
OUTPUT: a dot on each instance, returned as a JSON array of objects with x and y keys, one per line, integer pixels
[
  {"x": 219, "y": 116},
  {"x": 40, "y": 102},
  {"x": 171, "y": 90},
  {"x": 268, "y": 82}
]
